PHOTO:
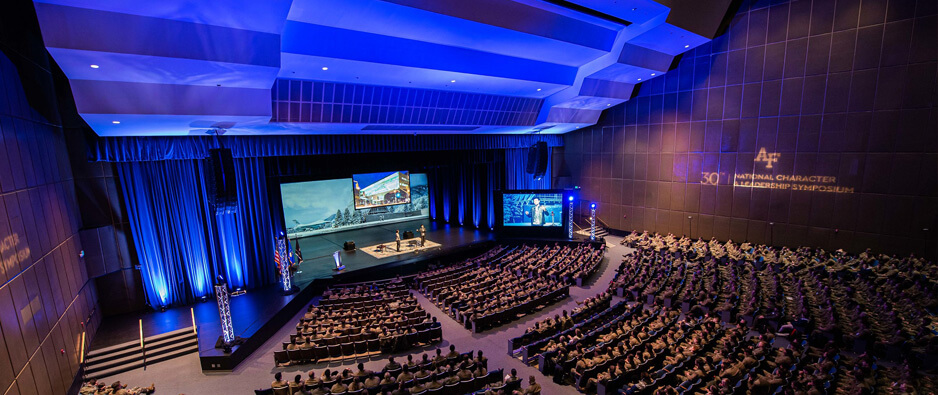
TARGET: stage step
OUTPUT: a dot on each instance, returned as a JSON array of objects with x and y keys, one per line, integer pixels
[{"x": 109, "y": 361}]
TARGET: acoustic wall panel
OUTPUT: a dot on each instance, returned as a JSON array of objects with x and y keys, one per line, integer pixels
[{"x": 805, "y": 123}]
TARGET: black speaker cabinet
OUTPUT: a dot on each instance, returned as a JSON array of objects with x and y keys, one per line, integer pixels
[
  {"x": 349, "y": 245},
  {"x": 220, "y": 181},
  {"x": 537, "y": 159},
  {"x": 407, "y": 235}
]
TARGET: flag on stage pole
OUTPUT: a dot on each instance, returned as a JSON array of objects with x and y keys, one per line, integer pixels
[
  {"x": 277, "y": 253},
  {"x": 281, "y": 257}
]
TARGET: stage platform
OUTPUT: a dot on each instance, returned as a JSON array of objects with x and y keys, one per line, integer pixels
[{"x": 260, "y": 313}]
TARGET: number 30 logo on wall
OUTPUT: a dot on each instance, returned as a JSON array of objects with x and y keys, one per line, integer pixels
[{"x": 768, "y": 157}]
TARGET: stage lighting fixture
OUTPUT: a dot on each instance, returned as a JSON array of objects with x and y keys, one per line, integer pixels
[
  {"x": 570, "y": 198},
  {"x": 224, "y": 311},
  {"x": 592, "y": 221},
  {"x": 94, "y": 66},
  {"x": 116, "y": 122}
]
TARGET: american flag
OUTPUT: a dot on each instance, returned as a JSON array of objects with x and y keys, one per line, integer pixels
[{"x": 277, "y": 252}]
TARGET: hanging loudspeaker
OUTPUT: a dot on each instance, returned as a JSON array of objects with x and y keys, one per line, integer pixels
[
  {"x": 220, "y": 181},
  {"x": 537, "y": 159}
]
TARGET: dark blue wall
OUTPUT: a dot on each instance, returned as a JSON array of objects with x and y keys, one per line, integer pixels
[
  {"x": 46, "y": 298},
  {"x": 842, "y": 88}
]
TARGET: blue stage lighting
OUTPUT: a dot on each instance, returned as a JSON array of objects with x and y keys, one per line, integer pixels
[
  {"x": 570, "y": 198},
  {"x": 593, "y": 205}
]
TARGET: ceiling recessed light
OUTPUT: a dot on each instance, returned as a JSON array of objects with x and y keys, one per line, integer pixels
[
  {"x": 324, "y": 68},
  {"x": 639, "y": 79},
  {"x": 652, "y": 74},
  {"x": 452, "y": 80},
  {"x": 94, "y": 66},
  {"x": 687, "y": 46},
  {"x": 538, "y": 89},
  {"x": 608, "y": 104},
  {"x": 116, "y": 122}
]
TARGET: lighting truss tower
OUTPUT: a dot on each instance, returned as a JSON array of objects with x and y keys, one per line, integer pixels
[
  {"x": 592, "y": 221},
  {"x": 570, "y": 218},
  {"x": 224, "y": 310},
  {"x": 285, "y": 281}
]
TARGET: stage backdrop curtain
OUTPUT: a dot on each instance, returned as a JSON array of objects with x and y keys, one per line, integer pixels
[
  {"x": 182, "y": 244},
  {"x": 517, "y": 178},
  {"x": 130, "y": 149}
]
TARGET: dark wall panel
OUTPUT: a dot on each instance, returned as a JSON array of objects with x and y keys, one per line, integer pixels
[
  {"x": 844, "y": 89},
  {"x": 46, "y": 300}
]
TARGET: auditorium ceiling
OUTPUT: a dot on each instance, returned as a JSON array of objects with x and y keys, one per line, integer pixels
[{"x": 175, "y": 67}]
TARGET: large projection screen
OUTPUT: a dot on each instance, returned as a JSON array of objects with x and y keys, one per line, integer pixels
[
  {"x": 324, "y": 206},
  {"x": 381, "y": 189}
]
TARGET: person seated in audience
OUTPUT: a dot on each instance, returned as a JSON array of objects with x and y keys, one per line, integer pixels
[
  {"x": 422, "y": 371},
  {"x": 372, "y": 381},
  {"x": 464, "y": 373},
  {"x": 362, "y": 372},
  {"x": 533, "y": 388},
  {"x": 392, "y": 365},
  {"x": 298, "y": 385},
  {"x": 89, "y": 387},
  {"x": 338, "y": 387},
  {"x": 356, "y": 385},
  {"x": 434, "y": 383},
  {"x": 327, "y": 376},
  {"x": 439, "y": 358},
  {"x": 400, "y": 390},
  {"x": 387, "y": 379},
  {"x": 417, "y": 388},
  {"x": 452, "y": 352},
  {"x": 512, "y": 376},
  {"x": 405, "y": 375},
  {"x": 480, "y": 371},
  {"x": 451, "y": 379},
  {"x": 319, "y": 389},
  {"x": 278, "y": 381},
  {"x": 410, "y": 362},
  {"x": 481, "y": 360}
]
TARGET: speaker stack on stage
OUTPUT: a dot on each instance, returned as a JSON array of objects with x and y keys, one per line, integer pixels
[
  {"x": 537, "y": 160},
  {"x": 220, "y": 181}
]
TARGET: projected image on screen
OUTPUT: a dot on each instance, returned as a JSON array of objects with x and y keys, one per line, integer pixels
[
  {"x": 381, "y": 189},
  {"x": 532, "y": 209},
  {"x": 323, "y": 206}
]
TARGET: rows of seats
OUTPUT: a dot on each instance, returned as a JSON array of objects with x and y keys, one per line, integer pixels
[
  {"x": 359, "y": 320},
  {"x": 552, "y": 326},
  {"x": 506, "y": 283},
  {"x": 442, "y": 373},
  {"x": 858, "y": 299},
  {"x": 820, "y": 302}
]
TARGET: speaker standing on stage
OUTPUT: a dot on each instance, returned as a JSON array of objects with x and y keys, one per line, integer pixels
[
  {"x": 397, "y": 239},
  {"x": 538, "y": 212},
  {"x": 423, "y": 235}
]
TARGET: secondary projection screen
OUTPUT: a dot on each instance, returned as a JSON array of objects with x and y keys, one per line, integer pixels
[
  {"x": 324, "y": 206},
  {"x": 381, "y": 189},
  {"x": 532, "y": 209}
]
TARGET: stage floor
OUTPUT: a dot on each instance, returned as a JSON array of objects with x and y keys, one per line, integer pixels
[
  {"x": 317, "y": 250},
  {"x": 254, "y": 309}
]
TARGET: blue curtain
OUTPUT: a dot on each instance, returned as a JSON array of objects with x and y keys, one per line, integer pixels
[
  {"x": 166, "y": 218},
  {"x": 130, "y": 149},
  {"x": 515, "y": 176},
  {"x": 182, "y": 244}
]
